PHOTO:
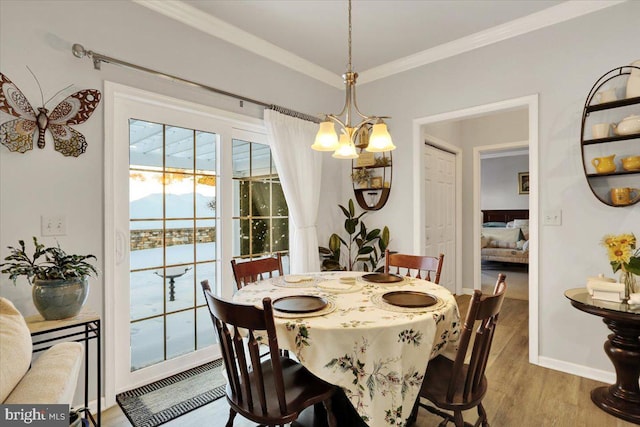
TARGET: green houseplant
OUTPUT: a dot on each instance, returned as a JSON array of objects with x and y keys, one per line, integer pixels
[
  {"x": 364, "y": 248},
  {"x": 60, "y": 280}
]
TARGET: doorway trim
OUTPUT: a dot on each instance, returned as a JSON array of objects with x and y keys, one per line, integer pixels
[{"x": 531, "y": 102}]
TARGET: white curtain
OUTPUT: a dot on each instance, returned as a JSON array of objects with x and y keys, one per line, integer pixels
[{"x": 299, "y": 168}]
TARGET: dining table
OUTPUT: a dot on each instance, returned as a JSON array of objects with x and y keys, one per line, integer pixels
[{"x": 371, "y": 334}]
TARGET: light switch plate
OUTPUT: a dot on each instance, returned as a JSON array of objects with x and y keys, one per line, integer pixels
[
  {"x": 552, "y": 217},
  {"x": 53, "y": 225}
]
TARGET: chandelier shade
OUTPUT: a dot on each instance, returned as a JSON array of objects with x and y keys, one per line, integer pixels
[
  {"x": 380, "y": 140},
  {"x": 326, "y": 138},
  {"x": 345, "y": 146}
]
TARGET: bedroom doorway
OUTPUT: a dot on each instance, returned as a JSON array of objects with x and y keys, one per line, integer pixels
[{"x": 505, "y": 218}]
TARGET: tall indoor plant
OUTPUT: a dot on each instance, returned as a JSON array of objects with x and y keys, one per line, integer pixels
[
  {"x": 364, "y": 248},
  {"x": 60, "y": 280}
]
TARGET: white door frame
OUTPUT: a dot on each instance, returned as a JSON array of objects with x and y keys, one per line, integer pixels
[{"x": 531, "y": 102}]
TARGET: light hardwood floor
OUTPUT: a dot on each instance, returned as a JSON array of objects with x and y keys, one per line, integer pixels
[
  {"x": 517, "y": 278},
  {"x": 520, "y": 394}
]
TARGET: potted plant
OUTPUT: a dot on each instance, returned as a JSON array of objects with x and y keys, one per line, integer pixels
[
  {"x": 361, "y": 177},
  {"x": 60, "y": 280},
  {"x": 364, "y": 247}
]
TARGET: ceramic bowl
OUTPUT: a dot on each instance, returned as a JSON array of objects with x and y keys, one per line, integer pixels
[{"x": 629, "y": 125}]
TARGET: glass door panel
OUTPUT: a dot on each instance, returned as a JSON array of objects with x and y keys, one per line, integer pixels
[
  {"x": 172, "y": 240},
  {"x": 260, "y": 213}
]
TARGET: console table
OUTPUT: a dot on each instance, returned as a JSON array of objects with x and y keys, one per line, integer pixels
[
  {"x": 81, "y": 328},
  {"x": 621, "y": 399}
]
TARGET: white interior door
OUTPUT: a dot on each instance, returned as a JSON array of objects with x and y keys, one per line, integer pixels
[{"x": 440, "y": 210}]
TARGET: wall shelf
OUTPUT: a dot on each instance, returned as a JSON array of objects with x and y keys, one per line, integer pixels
[
  {"x": 601, "y": 184},
  {"x": 373, "y": 195}
]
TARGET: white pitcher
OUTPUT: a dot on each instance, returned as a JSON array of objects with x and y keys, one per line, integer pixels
[{"x": 633, "y": 84}]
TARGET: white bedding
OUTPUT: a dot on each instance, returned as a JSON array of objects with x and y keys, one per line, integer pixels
[
  {"x": 504, "y": 245},
  {"x": 510, "y": 235}
]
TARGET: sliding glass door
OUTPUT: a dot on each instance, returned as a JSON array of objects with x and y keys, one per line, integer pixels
[{"x": 187, "y": 189}]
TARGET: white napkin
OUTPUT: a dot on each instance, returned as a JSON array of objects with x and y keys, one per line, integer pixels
[
  {"x": 601, "y": 285},
  {"x": 634, "y": 299}
]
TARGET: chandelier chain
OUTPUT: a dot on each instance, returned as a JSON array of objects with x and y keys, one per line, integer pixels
[
  {"x": 378, "y": 139},
  {"x": 349, "y": 36}
]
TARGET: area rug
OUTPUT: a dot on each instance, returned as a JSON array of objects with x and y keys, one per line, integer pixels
[{"x": 164, "y": 400}]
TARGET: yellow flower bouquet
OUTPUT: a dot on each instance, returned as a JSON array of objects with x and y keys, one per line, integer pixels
[{"x": 624, "y": 256}]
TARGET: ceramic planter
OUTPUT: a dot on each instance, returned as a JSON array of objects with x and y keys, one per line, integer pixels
[{"x": 60, "y": 299}]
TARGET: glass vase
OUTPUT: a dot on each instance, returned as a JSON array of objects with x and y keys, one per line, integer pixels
[{"x": 629, "y": 280}]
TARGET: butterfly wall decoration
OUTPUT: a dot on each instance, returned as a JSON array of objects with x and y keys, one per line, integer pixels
[{"x": 18, "y": 134}]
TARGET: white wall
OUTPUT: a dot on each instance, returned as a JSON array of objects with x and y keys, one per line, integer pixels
[
  {"x": 499, "y": 182},
  {"x": 560, "y": 63}
]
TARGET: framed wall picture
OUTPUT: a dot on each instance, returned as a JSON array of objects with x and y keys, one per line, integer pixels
[
  {"x": 523, "y": 183},
  {"x": 376, "y": 182}
]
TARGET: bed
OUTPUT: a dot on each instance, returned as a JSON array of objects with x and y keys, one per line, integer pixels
[{"x": 505, "y": 236}]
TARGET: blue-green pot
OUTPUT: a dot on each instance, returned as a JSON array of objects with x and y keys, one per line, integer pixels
[{"x": 60, "y": 299}]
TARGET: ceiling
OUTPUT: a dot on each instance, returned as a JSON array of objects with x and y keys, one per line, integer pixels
[{"x": 389, "y": 36}]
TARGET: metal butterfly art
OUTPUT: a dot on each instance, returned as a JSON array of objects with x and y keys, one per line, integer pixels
[{"x": 18, "y": 134}]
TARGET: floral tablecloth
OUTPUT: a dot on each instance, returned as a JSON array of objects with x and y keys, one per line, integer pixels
[{"x": 377, "y": 353}]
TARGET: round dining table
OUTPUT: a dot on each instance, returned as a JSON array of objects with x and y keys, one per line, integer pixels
[{"x": 368, "y": 337}]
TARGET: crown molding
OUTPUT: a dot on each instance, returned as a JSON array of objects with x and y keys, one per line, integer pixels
[
  {"x": 544, "y": 18},
  {"x": 213, "y": 26}
]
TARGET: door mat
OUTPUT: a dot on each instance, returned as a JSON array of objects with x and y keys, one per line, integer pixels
[{"x": 169, "y": 398}]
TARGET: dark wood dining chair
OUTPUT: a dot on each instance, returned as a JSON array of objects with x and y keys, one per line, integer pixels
[
  {"x": 269, "y": 392},
  {"x": 415, "y": 265},
  {"x": 454, "y": 385},
  {"x": 257, "y": 269}
]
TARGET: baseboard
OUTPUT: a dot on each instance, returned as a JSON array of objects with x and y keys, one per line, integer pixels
[
  {"x": 579, "y": 370},
  {"x": 467, "y": 291}
]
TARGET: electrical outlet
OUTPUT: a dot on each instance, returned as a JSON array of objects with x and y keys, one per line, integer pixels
[
  {"x": 53, "y": 225},
  {"x": 552, "y": 217}
]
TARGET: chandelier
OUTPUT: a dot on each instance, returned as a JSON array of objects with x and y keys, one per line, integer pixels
[{"x": 345, "y": 147}]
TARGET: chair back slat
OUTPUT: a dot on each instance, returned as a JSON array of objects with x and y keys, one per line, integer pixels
[
  {"x": 254, "y": 354},
  {"x": 226, "y": 345},
  {"x": 238, "y": 327},
  {"x": 274, "y": 350},
  {"x": 483, "y": 311},
  {"x": 483, "y": 351},
  {"x": 414, "y": 265},
  {"x": 240, "y": 365},
  {"x": 257, "y": 269}
]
